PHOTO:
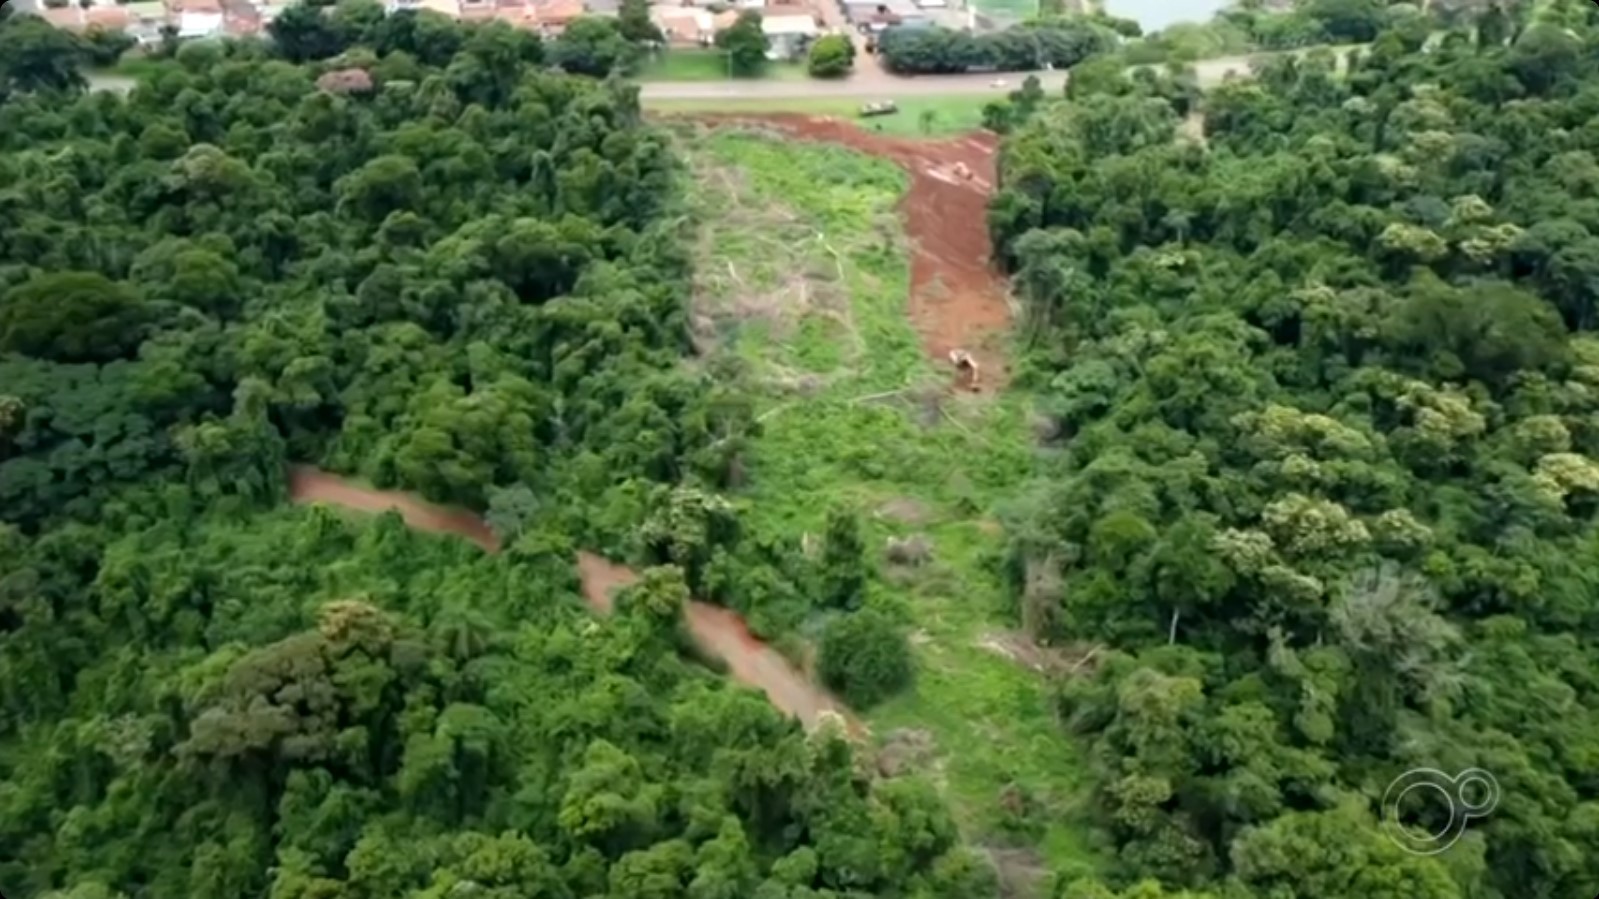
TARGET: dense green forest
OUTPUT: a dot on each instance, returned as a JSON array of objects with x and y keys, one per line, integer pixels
[
  {"x": 1314, "y": 375},
  {"x": 1323, "y": 387},
  {"x": 462, "y": 276}
]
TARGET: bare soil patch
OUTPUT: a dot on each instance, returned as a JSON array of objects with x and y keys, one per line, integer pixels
[{"x": 958, "y": 297}]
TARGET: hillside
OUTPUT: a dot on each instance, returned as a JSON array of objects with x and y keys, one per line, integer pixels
[{"x": 453, "y": 482}]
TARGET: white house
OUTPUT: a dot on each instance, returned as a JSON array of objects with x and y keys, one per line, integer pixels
[
  {"x": 789, "y": 34},
  {"x": 196, "y": 18}
]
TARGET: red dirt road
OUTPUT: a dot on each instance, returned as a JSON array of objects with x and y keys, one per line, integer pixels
[
  {"x": 958, "y": 298},
  {"x": 717, "y": 631}
]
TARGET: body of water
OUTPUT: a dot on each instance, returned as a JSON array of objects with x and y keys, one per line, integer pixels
[{"x": 1157, "y": 14}]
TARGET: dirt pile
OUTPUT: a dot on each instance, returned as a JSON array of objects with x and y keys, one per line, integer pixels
[{"x": 958, "y": 298}]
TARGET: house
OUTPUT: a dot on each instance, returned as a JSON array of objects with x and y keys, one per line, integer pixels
[
  {"x": 241, "y": 18},
  {"x": 684, "y": 26},
  {"x": 515, "y": 13},
  {"x": 789, "y": 35},
  {"x": 147, "y": 11},
  {"x": 196, "y": 18},
  {"x": 611, "y": 8},
  {"x": 554, "y": 15},
  {"x": 75, "y": 18},
  {"x": 476, "y": 11}
]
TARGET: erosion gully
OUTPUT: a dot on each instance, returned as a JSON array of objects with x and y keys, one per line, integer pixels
[{"x": 717, "y": 632}]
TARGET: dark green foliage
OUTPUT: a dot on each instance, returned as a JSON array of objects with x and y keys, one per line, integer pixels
[
  {"x": 466, "y": 283},
  {"x": 843, "y": 570},
  {"x": 595, "y": 46},
  {"x": 1057, "y": 43},
  {"x": 745, "y": 43},
  {"x": 71, "y": 317},
  {"x": 865, "y": 657},
  {"x": 35, "y": 56},
  {"x": 1329, "y": 474},
  {"x": 634, "y": 22}
]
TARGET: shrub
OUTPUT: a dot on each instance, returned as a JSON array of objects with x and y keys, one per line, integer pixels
[{"x": 864, "y": 657}]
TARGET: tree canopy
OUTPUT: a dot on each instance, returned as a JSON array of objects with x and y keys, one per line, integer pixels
[
  {"x": 466, "y": 280},
  {"x": 1323, "y": 383}
]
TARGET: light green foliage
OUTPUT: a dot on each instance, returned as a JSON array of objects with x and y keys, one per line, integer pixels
[
  {"x": 831, "y": 56},
  {"x": 823, "y": 448}
]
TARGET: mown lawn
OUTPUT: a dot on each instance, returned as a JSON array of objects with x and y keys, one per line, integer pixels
[
  {"x": 805, "y": 270},
  {"x": 708, "y": 65},
  {"x": 952, "y": 114}
]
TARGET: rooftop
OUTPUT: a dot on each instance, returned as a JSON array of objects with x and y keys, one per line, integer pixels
[{"x": 789, "y": 25}]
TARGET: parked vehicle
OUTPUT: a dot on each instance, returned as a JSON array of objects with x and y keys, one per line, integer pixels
[{"x": 881, "y": 107}]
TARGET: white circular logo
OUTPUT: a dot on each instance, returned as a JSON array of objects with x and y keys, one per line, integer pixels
[{"x": 1473, "y": 793}]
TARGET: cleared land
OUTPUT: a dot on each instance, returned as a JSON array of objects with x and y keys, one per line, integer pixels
[{"x": 809, "y": 262}]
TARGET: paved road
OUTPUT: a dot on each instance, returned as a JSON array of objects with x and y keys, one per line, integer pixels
[{"x": 1210, "y": 72}]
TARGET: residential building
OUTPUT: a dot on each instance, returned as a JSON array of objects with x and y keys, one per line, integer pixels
[
  {"x": 789, "y": 35},
  {"x": 684, "y": 26},
  {"x": 147, "y": 11},
  {"x": 196, "y": 18},
  {"x": 75, "y": 18},
  {"x": 610, "y": 8},
  {"x": 554, "y": 15},
  {"x": 241, "y": 18}
]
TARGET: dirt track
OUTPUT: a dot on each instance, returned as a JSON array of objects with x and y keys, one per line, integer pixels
[
  {"x": 958, "y": 299},
  {"x": 717, "y": 631}
]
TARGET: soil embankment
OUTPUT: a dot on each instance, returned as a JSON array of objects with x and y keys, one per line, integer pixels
[
  {"x": 717, "y": 631},
  {"x": 958, "y": 297}
]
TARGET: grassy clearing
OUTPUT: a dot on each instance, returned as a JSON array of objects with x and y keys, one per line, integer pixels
[
  {"x": 950, "y": 114},
  {"x": 852, "y": 413},
  {"x": 709, "y": 65}
]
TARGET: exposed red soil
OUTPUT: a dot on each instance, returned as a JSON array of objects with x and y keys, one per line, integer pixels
[
  {"x": 958, "y": 297},
  {"x": 717, "y": 631}
]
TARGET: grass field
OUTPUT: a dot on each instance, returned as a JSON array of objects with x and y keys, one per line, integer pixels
[
  {"x": 805, "y": 272},
  {"x": 708, "y": 65},
  {"x": 950, "y": 114}
]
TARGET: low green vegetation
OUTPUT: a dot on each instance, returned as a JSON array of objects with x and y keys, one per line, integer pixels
[
  {"x": 708, "y": 65},
  {"x": 918, "y": 116},
  {"x": 804, "y": 277}
]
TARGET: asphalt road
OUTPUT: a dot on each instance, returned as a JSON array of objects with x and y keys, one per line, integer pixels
[{"x": 1210, "y": 72}]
